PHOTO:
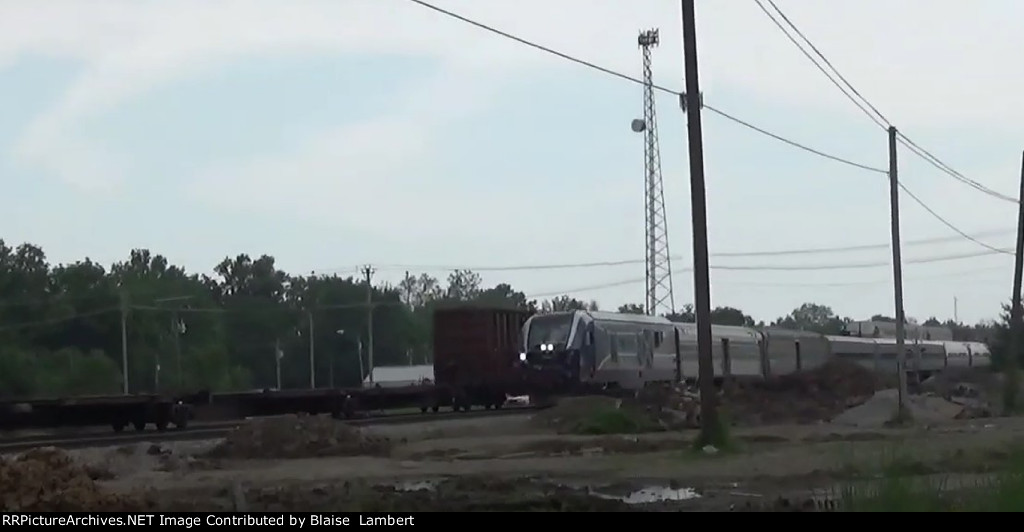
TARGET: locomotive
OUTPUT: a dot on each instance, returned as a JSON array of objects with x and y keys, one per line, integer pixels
[{"x": 627, "y": 351}]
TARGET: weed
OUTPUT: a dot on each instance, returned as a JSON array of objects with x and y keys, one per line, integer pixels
[
  {"x": 615, "y": 421},
  {"x": 900, "y": 490}
]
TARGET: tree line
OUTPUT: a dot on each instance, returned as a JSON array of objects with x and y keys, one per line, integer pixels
[{"x": 245, "y": 326}]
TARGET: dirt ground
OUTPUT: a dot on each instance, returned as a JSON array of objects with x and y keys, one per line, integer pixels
[{"x": 526, "y": 463}]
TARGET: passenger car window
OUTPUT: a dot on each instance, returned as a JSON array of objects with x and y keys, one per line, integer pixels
[{"x": 627, "y": 343}]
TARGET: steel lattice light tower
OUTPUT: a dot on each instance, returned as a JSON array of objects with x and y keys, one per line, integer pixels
[{"x": 659, "y": 266}]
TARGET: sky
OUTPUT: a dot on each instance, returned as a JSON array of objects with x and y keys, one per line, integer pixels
[{"x": 332, "y": 134}]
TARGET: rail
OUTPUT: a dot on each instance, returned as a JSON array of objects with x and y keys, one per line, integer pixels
[{"x": 220, "y": 429}]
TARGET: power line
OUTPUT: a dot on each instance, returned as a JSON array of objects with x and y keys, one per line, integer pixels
[
  {"x": 877, "y": 117},
  {"x": 876, "y": 282},
  {"x": 602, "y": 286},
  {"x": 55, "y": 321},
  {"x": 724, "y": 267},
  {"x": 948, "y": 170},
  {"x": 638, "y": 81},
  {"x": 281, "y": 309},
  {"x": 862, "y": 247},
  {"x": 948, "y": 224}
]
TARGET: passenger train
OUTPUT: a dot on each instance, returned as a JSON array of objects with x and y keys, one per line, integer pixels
[{"x": 629, "y": 350}]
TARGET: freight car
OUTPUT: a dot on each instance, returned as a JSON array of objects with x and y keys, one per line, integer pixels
[
  {"x": 117, "y": 411},
  {"x": 475, "y": 357}
]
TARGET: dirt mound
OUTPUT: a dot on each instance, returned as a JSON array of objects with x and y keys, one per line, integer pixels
[
  {"x": 298, "y": 436},
  {"x": 809, "y": 396},
  {"x": 48, "y": 479},
  {"x": 881, "y": 409}
]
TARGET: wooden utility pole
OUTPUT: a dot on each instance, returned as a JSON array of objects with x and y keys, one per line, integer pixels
[
  {"x": 278, "y": 355},
  {"x": 1010, "y": 394},
  {"x": 710, "y": 429},
  {"x": 124, "y": 341},
  {"x": 897, "y": 272},
  {"x": 312, "y": 353},
  {"x": 368, "y": 275},
  {"x": 176, "y": 336}
]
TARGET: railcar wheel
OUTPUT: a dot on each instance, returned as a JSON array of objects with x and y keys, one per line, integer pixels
[
  {"x": 118, "y": 426},
  {"x": 139, "y": 425},
  {"x": 161, "y": 424},
  {"x": 435, "y": 408}
]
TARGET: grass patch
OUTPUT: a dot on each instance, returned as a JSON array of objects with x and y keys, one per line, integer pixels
[
  {"x": 615, "y": 421},
  {"x": 901, "y": 488},
  {"x": 717, "y": 436}
]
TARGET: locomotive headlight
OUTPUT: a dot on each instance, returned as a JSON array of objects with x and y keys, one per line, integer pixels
[{"x": 522, "y": 357}]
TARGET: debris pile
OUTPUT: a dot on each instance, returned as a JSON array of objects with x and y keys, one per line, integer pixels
[
  {"x": 47, "y": 479},
  {"x": 298, "y": 436},
  {"x": 597, "y": 415},
  {"x": 978, "y": 390},
  {"x": 811, "y": 396},
  {"x": 882, "y": 408}
]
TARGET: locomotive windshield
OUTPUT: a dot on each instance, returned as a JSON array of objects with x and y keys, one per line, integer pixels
[{"x": 549, "y": 329}]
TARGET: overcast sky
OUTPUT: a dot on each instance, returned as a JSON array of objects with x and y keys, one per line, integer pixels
[{"x": 335, "y": 133}]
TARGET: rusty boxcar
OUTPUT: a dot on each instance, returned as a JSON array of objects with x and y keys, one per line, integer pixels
[{"x": 476, "y": 354}]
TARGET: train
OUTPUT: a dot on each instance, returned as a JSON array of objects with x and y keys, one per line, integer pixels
[
  {"x": 483, "y": 355},
  {"x": 592, "y": 349}
]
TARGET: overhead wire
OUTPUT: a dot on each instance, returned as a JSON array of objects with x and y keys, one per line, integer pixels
[
  {"x": 727, "y": 267},
  {"x": 639, "y": 81},
  {"x": 945, "y": 222},
  {"x": 55, "y": 321},
  {"x": 876, "y": 282},
  {"x": 948, "y": 170},
  {"x": 849, "y": 91},
  {"x": 877, "y": 117}
]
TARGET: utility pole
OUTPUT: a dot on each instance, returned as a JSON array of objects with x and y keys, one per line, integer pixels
[
  {"x": 176, "y": 333},
  {"x": 406, "y": 285},
  {"x": 710, "y": 429},
  {"x": 956, "y": 307},
  {"x": 1010, "y": 394},
  {"x": 368, "y": 274},
  {"x": 312, "y": 353},
  {"x": 124, "y": 341},
  {"x": 897, "y": 272},
  {"x": 278, "y": 355}
]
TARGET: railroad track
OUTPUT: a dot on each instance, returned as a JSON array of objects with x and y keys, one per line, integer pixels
[{"x": 218, "y": 430}]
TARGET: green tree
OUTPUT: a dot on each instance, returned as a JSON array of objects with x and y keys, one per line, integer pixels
[
  {"x": 813, "y": 317},
  {"x": 632, "y": 308},
  {"x": 565, "y": 303}
]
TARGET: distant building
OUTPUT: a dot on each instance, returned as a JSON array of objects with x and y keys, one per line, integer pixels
[
  {"x": 396, "y": 376},
  {"x": 887, "y": 329}
]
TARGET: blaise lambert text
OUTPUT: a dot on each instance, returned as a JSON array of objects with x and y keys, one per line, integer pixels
[{"x": 362, "y": 520}]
